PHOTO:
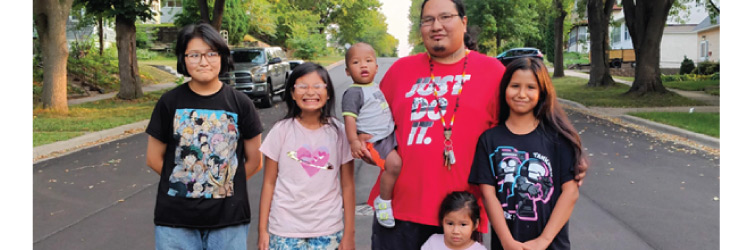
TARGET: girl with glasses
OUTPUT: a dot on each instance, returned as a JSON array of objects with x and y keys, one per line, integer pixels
[{"x": 309, "y": 175}]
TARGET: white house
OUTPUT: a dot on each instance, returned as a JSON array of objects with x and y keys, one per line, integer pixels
[
  {"x": 680, "y": 38},
  {"x": 169, "y": 10}
]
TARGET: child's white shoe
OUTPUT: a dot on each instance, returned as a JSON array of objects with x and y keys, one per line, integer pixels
[{"x": 384, "y": 212}]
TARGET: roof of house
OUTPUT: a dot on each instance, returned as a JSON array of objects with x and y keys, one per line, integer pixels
[
  {"x": 707, "y": 24},
  {"x": 680, "y": 28}
]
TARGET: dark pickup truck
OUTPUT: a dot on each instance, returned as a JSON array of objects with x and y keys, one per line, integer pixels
[{"x": 258, "y": 72}]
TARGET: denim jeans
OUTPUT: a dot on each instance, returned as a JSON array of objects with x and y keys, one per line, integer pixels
[{"x": 232, "y": 237}]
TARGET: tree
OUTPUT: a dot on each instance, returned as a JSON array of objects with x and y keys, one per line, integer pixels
[
  {"x": 125, "y": 13},
  {"x": 599, "y": 12},
  {"x": 217, "y": 13},
  {"x": 504, "y": 23},
  {"x": 646, "y": 21},
  {"x": 50, "y": 17},
  {"x": 363, "y": 22},
  {"x": 561, "y": 11}
]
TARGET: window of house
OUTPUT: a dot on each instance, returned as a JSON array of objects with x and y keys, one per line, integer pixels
[
  {"x": 614, "y": 35},
  {"x": 704, "y": 50},
  {"x": 174, "y": 3},
  {"x": 626, "y": 36}
]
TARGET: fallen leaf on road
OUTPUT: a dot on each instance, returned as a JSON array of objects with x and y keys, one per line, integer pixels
[
  {"x": 611, "y": 169},
  {"x": 632, "y": 182},
  {"x": 52, "y": 180},
  {"x": 716, "y": 198},
  {"x": 121, "y": 200},
  {"x": 92, "y": 186}
]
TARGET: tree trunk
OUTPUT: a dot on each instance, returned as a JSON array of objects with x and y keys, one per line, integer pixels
[
  {"x": 646, "y": 21},
  {"x": 203, "y": 6},
  {"x": 50, "y": 18},
  {"x": 599, "y": 12},
  {"x": 130, "y": 80},
  {"x": 101, "y": 34},
  {"x": 218, "y": 14},
  {"x": 559, "y": 21}
]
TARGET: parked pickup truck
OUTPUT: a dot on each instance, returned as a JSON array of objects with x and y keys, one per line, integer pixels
[
  {"x": 617, "y": 57},
  {"x": 258, "y": 72}
]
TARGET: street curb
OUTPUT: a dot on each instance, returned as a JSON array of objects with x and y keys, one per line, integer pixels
[
  {"x": 702, "y": 139},
  {"x": 85, "y": 141},
  {"x": 336, "y": 64}
]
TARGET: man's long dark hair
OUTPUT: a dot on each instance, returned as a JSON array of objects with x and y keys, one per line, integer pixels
[
  {"x": 293, "y": 111},
  {"x": 547, "y": 110}
]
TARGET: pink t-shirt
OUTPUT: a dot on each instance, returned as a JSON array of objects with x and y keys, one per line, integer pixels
[
  {"x": 424, "y": 180},
  {"x": 437, "y": 242},
  {"x": 307, "y": 200}
]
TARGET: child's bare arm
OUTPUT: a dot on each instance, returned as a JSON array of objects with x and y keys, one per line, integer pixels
[
  {"x": 350, "y": 124},
  {"x": 497, "y": 219},
  {"x": 155, "y": 150},
  {"x": 266, "y": 195},
  {"x": 347, "y": 191},
  {"x": 560, "y": 215}
]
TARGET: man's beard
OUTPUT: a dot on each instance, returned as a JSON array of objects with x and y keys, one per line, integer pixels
[{"x": 438, "y": 48}]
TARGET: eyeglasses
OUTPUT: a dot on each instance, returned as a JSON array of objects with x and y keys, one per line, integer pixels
[
  {"x": 429, "y": 21},
  {"x": 302, "y": 88},
  {"x": 195, "y": 58}
]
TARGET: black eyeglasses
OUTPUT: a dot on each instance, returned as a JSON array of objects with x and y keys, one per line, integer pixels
[{"x": 429, "y": 21}]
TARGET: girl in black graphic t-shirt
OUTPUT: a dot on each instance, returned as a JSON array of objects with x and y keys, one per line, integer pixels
[
  {"x": 525, "y": 166},
  {"x": 203, "y": 142}
]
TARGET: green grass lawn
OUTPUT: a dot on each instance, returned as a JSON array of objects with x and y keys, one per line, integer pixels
[
  {"x": 171, "y": 62},
  {"x": 704, "y": 123},
  {"x": 152, "y": 75},
  {"x": 575, "y": 89},
  {"x": 327, "y": 60},
  {"x": 91, "y": 117},
  {"x": 709, "y": 86}
]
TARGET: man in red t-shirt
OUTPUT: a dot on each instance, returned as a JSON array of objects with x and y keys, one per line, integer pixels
[{"x": 441, "y": 102}]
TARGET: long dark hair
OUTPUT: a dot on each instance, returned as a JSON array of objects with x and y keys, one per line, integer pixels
[
  {"x": 469, "y": 40},
  {"x": 293, "y": 111},
  {"x": 211, "y": 37},
  {"x": 547, "y": 110}
]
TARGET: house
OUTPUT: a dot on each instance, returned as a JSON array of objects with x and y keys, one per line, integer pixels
[
  {"x": 169, "y": 10},
  {"x": 708, "y": 40},
  {"x": 689, "y": 34}
]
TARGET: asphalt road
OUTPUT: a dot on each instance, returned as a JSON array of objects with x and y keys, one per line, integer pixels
[{"x": 641, "y": 192}]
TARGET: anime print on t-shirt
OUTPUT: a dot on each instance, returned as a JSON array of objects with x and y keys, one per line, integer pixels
[
  {"x": 523, "y": 180},
  {"x": 205, "y": 158}
]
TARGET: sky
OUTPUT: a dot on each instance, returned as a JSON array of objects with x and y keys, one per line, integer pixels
[{"x": 397, "y": 17}]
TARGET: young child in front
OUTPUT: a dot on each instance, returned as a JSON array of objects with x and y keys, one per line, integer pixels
[
  {"x": 369, "y": 125},
  {"x": 459, "y": 215},
  {"x": 526, "y": 164},
  {"x": 309, "y": 173}
]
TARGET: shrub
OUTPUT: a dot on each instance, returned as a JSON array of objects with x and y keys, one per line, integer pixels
[
  {"x": 687, "y": 66},
  {"x": 706, "y": 68}
]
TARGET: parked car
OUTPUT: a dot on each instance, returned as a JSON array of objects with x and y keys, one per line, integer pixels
[
  {"x": 258, "y": 72},
  {"x": 509, "y": 55},
  {"x": 295, "y": 63}
]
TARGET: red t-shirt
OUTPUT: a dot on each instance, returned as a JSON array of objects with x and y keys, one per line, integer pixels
[{"x": 424, "y": 180}]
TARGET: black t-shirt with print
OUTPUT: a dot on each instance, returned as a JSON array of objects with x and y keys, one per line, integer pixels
[
  {"x": 527, "y": 172},
  {"x": 202, "y": 182}
]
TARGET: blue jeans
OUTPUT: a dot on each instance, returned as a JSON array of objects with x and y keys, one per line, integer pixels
[{"x": 232, "y": 237}]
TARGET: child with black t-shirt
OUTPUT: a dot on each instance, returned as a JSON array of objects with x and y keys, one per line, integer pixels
[
  {"x": 526, "y": 164},
  {"x": 203, "y": 141}
]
